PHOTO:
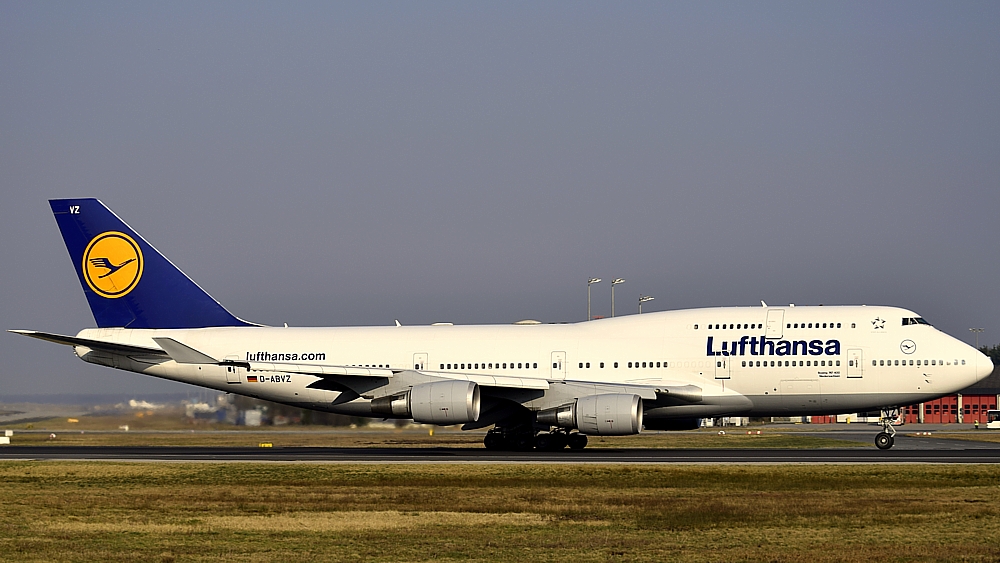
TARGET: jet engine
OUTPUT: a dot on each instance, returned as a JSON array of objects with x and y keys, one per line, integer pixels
[
  {"x": 598, "y": 415},
  {"x": 437, "y": 402}
]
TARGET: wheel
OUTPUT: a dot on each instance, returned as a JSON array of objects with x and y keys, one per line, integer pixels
[
  {"x": 883, "y": 441},
  {"x": 543, "y": 442},
  {"x": 576, "y": 441},
  {"x": 522, "y": 443},
  {"x": 494, "y": 441},
  {"x": 550, "y": 441}
]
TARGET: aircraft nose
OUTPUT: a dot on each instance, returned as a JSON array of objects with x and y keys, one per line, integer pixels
[{"x": 984, "y": 366}]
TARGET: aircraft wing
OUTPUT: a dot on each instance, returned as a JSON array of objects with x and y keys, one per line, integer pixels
[{"x": 111, "y": 347}]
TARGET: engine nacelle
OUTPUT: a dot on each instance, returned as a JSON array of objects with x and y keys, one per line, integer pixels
[
  {"x": 437, "y": 402},
  {"x": 598, "y": 415}
]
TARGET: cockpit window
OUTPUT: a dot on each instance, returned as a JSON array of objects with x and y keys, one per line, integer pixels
[{"x": 915, "y": 321}]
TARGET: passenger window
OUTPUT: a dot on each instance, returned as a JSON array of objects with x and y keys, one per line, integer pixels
[
  {"x": 838, "y": 363},
  {"x": 602, "y": 365},
  {"x": 744, "y": 363},
  {"x": 838, "y": 325},
  {"x": 581, "y": 365},
  {"x": 696, "y": 327},
  {"x": 616, "y": 364},
  {"x": 853, "y": 325},
  {"x": 588, "y": 365},
  {"x": 630, "y": 364},
  {"x": 730, "y": 327},
  {"x": 657, "y": 364}
]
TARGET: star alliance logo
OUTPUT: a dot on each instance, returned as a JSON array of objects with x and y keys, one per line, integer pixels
[{"x": 878, "y": 323}]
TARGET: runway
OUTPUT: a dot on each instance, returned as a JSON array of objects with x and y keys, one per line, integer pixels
[{"x": 480, "y": 455}]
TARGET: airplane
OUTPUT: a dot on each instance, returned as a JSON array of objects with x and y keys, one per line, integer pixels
[{"x": 536, "y": 386}]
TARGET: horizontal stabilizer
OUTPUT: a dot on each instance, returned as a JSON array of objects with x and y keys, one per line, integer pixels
[
  {"x": 182, "y": 353},
  {"x": 111, "y": 347}
]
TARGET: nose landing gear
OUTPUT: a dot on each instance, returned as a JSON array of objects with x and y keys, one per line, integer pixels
[{"x": 887, "y": 437}]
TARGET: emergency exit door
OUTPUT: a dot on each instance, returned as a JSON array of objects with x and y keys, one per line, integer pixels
[
  {"x": 558, "y": 365},
  {"x": 855, "y": 367},
  {"x": 722, "y": 367},
  {"x": 420, "y": 361}
]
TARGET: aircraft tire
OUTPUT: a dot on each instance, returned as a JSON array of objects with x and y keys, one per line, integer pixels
[
  {"x": 576, "y": 441},
  {"x": 883, "y": 440},
  {"x": 550, "y": 441},
  {"x": 494, "y": 441}
]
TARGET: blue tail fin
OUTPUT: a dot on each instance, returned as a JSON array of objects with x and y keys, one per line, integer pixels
[{"x": 128, "y": 282}]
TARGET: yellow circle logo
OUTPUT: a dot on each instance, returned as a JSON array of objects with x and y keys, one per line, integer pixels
[{"x": 112, "y": 264}]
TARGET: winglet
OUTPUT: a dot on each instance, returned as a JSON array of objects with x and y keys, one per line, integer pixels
[{"x": 182, "y": 353}]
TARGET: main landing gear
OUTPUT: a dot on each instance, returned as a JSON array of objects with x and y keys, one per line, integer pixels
[
  {"x": 887, "y": 437},
  {"x": 525, "y": 437}
]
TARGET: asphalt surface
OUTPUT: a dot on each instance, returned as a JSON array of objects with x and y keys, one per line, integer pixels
[{"x": 920, "y": 450}]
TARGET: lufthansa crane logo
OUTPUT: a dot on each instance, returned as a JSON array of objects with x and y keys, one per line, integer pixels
[{"x": 112, "y": 264}]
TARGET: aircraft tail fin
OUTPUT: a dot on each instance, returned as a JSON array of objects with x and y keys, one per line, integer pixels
[{"x": 128, "y": 283}]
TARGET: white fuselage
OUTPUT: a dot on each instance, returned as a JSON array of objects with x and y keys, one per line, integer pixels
[{"x": 767, "y": 361}]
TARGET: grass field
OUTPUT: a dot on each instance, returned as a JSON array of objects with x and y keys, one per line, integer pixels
[{"x": 298, "y": 512}]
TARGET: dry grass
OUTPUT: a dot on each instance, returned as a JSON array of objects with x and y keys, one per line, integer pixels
[{"x": 271, "y": 512}]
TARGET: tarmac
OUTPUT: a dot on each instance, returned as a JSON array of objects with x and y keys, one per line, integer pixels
[{"x": 908, "y": 449}]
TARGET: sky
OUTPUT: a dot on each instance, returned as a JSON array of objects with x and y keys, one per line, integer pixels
[{"x": 327, "y": 164}]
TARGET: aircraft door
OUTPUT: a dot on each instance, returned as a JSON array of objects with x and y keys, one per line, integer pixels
[
  {"x": 722, "y": 367},
  {"x": 233, "y": 372},
  {"x": 854, "y": 365},
  {"x": 420, "y": 361},
  {"x": 775, "y": 323},
  {"x": 559, "y": 365}
]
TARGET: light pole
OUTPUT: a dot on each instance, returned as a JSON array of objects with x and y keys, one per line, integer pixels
[
  {"x": 590, "y": 282},
  {"x": 614, "y": 282},
  {"x": 977, "y": 331},
  {"x": 643, "y": 299}
]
